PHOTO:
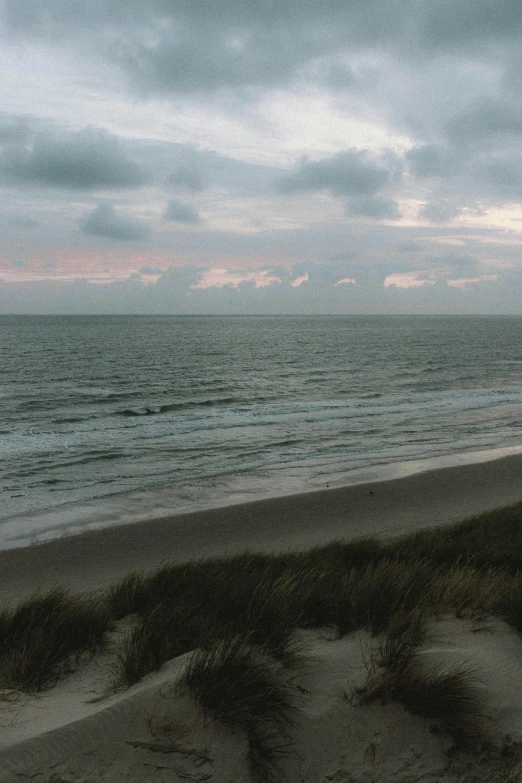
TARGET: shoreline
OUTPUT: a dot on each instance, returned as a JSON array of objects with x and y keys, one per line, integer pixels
[
  {"x": 155, "y": 501},
  {"x": 389, "y": 508}
]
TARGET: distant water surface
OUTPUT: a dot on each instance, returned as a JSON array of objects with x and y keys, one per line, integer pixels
[{"x": 211, "y": 408}]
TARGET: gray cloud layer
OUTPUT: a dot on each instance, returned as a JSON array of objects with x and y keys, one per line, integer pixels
[
  {"x": 438, "y": 82},
  {"x": 187, "y": 46}
]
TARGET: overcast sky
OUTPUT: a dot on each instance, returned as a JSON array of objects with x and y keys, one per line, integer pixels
[{"x": 261, "y": 156}]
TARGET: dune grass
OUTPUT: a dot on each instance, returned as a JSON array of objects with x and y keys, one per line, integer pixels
[
  {"x": 161, "y": 634},
  {"x": 39, "y": 636},
  {"x": 240, "y": 687},
  {"x": 489, "y": 540},
  {"x": 397, "y": 672},
  {"x": 240, "y": 615}
]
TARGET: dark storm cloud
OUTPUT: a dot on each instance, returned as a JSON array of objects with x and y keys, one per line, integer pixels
[
  {"x": 86, "y": 160},
  {"x": 349, "y": 173},
  {"x": 181, "y": 212},
  {"x": 439, "y": 211},
  {"x": 203, "y": 59},
  {"x": 379, "y": 208},
  {"x": 105, "y": 222}
]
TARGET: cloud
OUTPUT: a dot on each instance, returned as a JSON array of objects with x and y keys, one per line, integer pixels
[
  {"x": 446, "y": 24},
  {"x": 439, "y": 211},
  {"x": 429, "y": 160},
  {"x": 485, "y": 120},
  {"x": 13, "y": 130},
  {"x": 181, "y": 212},
  {"x": 325, "y": 287},
  {"x": 204, "y": 53},
  {"x": 236, "y": 45},
  {"x": 411, "y": 279},
  {"x": 105, "y": 222},
  {"x": 232, "y": 44},
  {"x": 349, "y": 173},
  {"x": 21, "y": 221},
  {"x": 379, "y": 208},
  {"x": 464, "y": 283},
  {"x": 502, "y": 176},
  {"x": 85, "y": 160},
  {"x": 409, "y": 247},
  {"x": 150, "y": 270},
  {"x": 187, "y": 175},
  {"x": 262, "y": 84}
]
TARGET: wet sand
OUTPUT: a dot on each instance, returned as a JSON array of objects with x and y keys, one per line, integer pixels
[{"x": 385, "y": 509}]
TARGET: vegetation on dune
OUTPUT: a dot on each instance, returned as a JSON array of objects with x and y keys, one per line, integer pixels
[
  {"x": 396, "y": 672},
  {"x": 240, "y": 616},
  {"x": 38, "y": 637},
  {"x": 240, "y": 687},
  {"x": 490, "y": 540}
]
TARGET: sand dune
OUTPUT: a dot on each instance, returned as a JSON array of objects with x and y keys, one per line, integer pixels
[
  {"x": 153, "y": 733},
  {"x": 81, "y": 730}
]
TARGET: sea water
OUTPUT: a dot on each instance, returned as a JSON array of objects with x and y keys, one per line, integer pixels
[{"x": 100, "y": 413}]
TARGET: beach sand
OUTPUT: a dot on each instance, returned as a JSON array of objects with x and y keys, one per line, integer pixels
[
  {"x": 384, "y": 509},
  {"x": 62, "y": 736}
]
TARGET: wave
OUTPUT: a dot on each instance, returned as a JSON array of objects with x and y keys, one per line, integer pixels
[
  {"x": 71, "y": 419},
  {"x": 176, "y": 406}
]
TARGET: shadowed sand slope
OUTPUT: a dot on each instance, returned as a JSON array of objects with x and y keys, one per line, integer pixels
[{"x": 155, "y": 732}]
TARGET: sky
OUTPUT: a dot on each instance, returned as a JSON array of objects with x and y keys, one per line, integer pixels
[{"x": 261, "y": 156}]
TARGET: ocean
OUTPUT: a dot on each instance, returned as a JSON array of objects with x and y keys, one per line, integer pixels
[{"x": 110, "y": 418}]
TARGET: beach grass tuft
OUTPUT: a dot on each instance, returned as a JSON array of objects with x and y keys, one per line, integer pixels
[
  {"x": 38, "y": 638},
  {"x": 128, "y": 596},
  {"x": 162, "y": 634},
  {"x": 241, "y": 687},
  {"x": 397, "y": 672},
  {"x": 449, "y": 697}
]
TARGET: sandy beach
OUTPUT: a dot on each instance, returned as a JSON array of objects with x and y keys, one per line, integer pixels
[
  {"x": 384, "y": 509},
  {"x": 81, "y": 731}
]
